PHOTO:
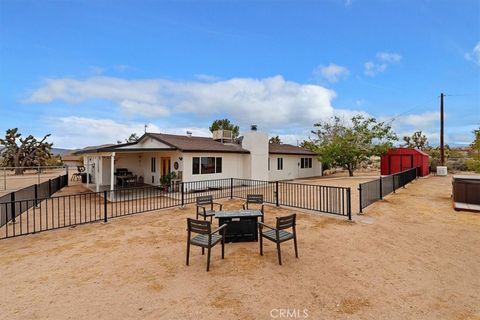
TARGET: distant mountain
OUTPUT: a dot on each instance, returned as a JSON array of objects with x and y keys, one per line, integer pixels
[
  {"x": 61, "y": 151},
  {"x": 55, "y": 151}
]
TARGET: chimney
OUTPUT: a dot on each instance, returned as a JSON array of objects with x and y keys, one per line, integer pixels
[
  {"x": 253, "y": 127},
  {"x": 189, "y": 134}
]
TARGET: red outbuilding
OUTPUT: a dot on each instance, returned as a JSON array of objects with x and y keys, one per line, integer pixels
[{"x": 400, "y": 159}]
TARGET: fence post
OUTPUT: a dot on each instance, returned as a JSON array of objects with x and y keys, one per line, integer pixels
[
  {"x": 381, "y": 189},
  {"x": 349, "y": 204},
  {"x": 277, "y": 195},
  {"x": 393, "y": 177},
  {"x": 12, "y": 199},
  {"x": 38, "y": 175},
  {"x": 105, "y": 206},
  {"x": 49, "y": 187},
  {"x": 360, "y": 196},
  {"x": 231, "y": 188},
  {"x": 36, "y": 194},
  {"x": 4, "y": 178},
  {"x": 403, "y": 180},
  {"x": 183, "y": 194}
]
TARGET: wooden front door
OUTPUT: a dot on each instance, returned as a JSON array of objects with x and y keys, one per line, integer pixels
[{"x": 164, "y": 166}]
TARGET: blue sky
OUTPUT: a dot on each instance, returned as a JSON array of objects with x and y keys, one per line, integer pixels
[{"x": 91, "y": 72}]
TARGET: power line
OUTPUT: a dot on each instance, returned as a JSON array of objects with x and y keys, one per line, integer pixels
[
  {"x": 462, "y": 95},
  {"x": 412, "y": 109}
]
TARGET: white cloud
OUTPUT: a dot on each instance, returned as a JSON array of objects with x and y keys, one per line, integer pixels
[
  {"x": 79, "y": 132},
  {"x": 371, "y": 68},
  {"x": 390, "y": 57},
  {"x": 331, "y": 72},
  {"x": 383, "y": 60},
  {"x": 206, "y": 77},
  {"x": 419, "y": 121},
  {"x": 474, "y": 55},
  {"x": 96, "y": 70},
  {"x": 270, "y": 101}
]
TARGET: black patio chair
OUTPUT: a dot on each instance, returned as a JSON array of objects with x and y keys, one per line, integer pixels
[
  {"x": 254, "y": 199},
  {"x": 279, "y": 235},
  {"x": 205, "y": 238},
  {"x": 205, "y": 203},
  {"x": 78, "y": 175}
]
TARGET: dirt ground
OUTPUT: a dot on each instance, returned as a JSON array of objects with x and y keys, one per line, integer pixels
[
  {"x": 410, "y": 256},
  {"x": 10, "y": 182}
]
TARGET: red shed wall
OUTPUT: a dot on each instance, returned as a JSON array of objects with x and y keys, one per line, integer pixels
[{"x": 400, "y": 159}]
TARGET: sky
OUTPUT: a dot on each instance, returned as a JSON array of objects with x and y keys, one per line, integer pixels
[{"x": 92, "y": 72}]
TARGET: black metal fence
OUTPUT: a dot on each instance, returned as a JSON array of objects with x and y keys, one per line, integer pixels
[
  {"x": 372, "y": 191},
  {"x": 43, "y": 212},
  {"x": 19, "y": 200}
]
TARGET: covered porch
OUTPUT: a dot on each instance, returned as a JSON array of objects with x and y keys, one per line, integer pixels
[{"x": 121, "y": 170}]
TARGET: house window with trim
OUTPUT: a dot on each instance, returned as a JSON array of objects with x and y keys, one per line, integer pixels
[
  {"x": 279, "y": 163},
  {"x": 153, "y": 164},
  {"x": 196, "y": 165},
  {"x": 306, "y": 163},
  {"x": 206, "y": 165}
]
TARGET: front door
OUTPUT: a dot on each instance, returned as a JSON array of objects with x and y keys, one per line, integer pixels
[{"x": 164, "y": 166}]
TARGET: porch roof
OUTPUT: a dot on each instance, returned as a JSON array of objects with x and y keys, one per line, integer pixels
[{"x": 173, "y": 142}]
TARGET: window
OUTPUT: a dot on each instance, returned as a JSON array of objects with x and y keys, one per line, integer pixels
[
  {"x": 206, "y": 165},
  {"x": 153, "y": 164},
  {"x": 268, "y": 164},
  {"x": 279, "y": 163},
  {"x": 305, "y": 163},
  {"x": 196, "y": 165},
  {"x": 218, "y": 165}
]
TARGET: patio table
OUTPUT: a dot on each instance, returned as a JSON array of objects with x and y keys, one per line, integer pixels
[{"x": 241, "y": 224}]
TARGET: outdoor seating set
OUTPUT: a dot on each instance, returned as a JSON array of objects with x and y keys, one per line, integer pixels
[{"x": 237, "y": 226}]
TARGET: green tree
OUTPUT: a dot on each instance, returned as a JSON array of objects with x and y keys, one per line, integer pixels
[
  {"x": 25, "y": 152},
  {"x": 347, "y": 145},
  {"x": 132, "y": 138},
  {"x": 476, "y": 142},
  {"x": 275, "y": 139},
  {"x": 474, "y": 164},
  {"x": 418, "y": 141},
  {"x": 225, "y": 124}
]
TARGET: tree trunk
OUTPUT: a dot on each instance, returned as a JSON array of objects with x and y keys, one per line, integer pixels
[
  {"x": 350, "y": 170},
  {"x": 16, "y": 163}
]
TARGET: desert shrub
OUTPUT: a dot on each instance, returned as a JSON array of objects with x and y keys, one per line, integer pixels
[
  {"x": 473, "y": 165},
  {"x": 457, "y": 165}
]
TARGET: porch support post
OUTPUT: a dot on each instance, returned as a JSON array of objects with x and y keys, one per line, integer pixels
[
  {"x": 112, "y": 176},
  {"x": 88, "y": 172},
  {"x": 97, "y": 174}
]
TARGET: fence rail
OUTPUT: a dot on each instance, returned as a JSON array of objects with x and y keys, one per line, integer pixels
[
  {"x": 21, "y": 200},
  {"x": 11, "y": 181},
  {"x": 43, "y": 212},
  {"x": 372, "y": 191}
]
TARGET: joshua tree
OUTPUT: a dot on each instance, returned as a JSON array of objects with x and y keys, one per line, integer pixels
[{"x": 26, "y": 152}]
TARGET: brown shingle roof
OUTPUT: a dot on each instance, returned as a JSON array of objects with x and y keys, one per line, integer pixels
[
  {"x": 281, "y": 148},
  {"x": 192, "y": 144}
]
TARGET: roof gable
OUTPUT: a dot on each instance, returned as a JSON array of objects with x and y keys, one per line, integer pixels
[{"x": 196, "y": 144}]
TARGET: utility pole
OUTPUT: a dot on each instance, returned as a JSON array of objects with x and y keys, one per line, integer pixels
[{"x": 442, "y": 147}]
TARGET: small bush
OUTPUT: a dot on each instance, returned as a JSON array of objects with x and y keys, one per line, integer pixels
[{"x": 473, "y": 165}]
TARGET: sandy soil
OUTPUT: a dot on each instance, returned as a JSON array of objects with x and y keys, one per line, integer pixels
[
  {"x": 10, "y": 182},
  {"x": 410, "y": 256}
]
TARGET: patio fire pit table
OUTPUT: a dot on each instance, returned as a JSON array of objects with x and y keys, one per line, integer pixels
[{"x": 241, "y": 224}]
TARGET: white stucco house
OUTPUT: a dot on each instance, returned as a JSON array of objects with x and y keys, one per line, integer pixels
[{"x": 198, "y": 158}]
